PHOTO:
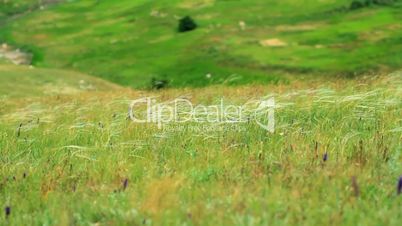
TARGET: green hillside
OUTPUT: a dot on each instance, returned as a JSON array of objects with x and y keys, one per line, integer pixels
[
  {"x": 259, "y": 41},
  {"x": 10, "y": 8},
  {"x": 19, "y": 81},
  {"x": 269, "y": 112}
]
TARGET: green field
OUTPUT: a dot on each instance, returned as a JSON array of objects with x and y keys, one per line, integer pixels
[
  {"x": 70, "y": 155},
  {"x": 141, "y": 39}
]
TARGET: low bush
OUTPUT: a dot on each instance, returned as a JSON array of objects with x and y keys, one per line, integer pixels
[
  {"x": 187, "y": 24},
  {"x": 159, "y": 83},
  {"x": 356, "y": 5}
]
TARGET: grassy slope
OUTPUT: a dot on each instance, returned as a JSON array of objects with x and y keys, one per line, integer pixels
[
  {"x": 76, "y": 148},
  {"x": 9, "y": 8},
  {"x": 127, "y": 45},
  {"x": 76, "y": 151},
  {"x": 13, "y": 8},
  {"x": 21, "y": 81}
]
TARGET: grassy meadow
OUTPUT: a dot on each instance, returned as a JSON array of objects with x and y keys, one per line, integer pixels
[
  {"x": 65, "y": 159},
  {"x": 70, "y": 155},
  {"x": 141, "y": 39}
]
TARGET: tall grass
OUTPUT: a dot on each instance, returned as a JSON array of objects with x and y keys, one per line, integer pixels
[{"x": 76, "y": 159}]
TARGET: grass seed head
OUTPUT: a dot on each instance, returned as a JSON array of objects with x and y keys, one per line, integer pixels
[{"x": 355, "y": 186}]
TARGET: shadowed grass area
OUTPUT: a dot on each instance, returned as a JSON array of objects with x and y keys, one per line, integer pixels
[
  {"x": 9, "y": 8},
  {"x": 131, "y": 42},
  {"x": 78, "y": 160}
]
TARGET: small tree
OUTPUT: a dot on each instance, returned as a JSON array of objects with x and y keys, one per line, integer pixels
[{"x": 186, "y": 24}]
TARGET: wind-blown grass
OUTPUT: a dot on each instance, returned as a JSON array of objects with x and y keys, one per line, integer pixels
[{"x": 76, "y": 159}]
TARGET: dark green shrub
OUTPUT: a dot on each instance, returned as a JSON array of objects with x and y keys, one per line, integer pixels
[
  {"x": 159, "y": 83},
  {"x": 356, "y": 5},
  {"x": 368, "y": 2},
  {"x": 186, "y": 24},
  {"x": 382, "y": 2}
]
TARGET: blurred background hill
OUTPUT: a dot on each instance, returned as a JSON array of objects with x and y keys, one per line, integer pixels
[{"x": 133, "y": 43}]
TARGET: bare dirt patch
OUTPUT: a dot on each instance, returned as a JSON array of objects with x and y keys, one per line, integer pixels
[
  {"x": 274, "y": 42},
  {"x": 15, "y": 56}
]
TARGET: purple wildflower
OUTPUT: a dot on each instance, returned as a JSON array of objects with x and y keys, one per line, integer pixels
[
  {"x": 7, "y": 211},
  {"x": 325, "y": 157},
  {"x": 125, "y": 184},
  {"x": 400, "y": 185}
]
